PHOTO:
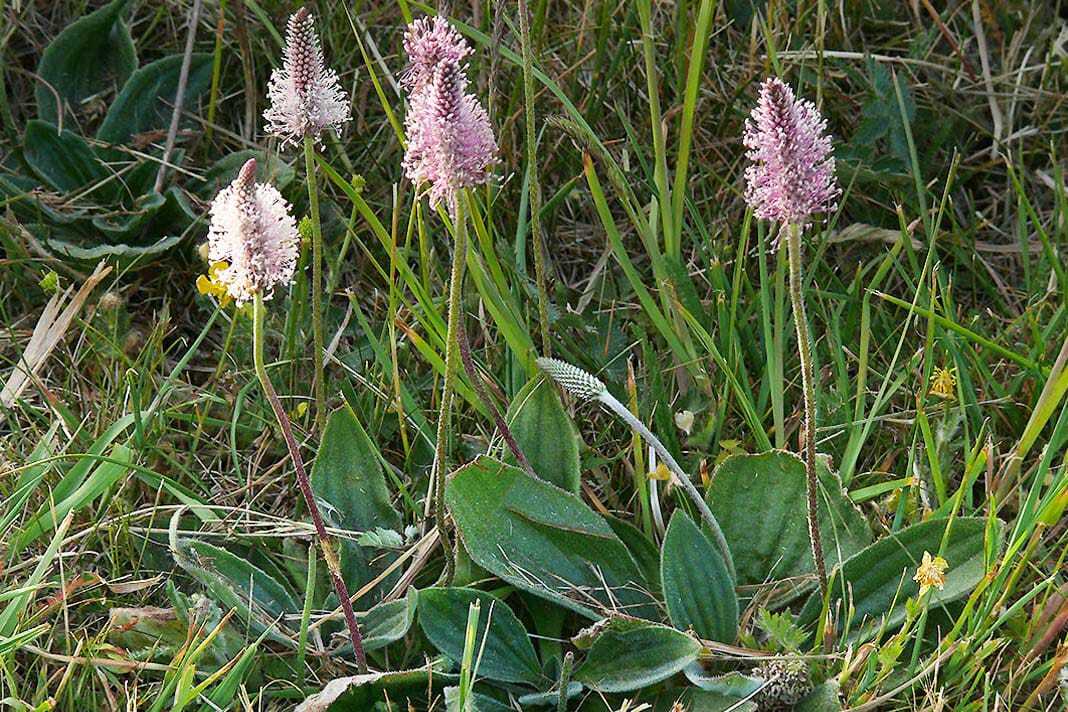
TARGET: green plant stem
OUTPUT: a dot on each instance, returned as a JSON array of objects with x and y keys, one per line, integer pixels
[
  {"x": 804, "y": 350},
  {"x": 533, "y": 184},
  {"x": 305, "y": 616},
  {"x": 456, "y": 280},
  {"x": 329, "y": 556},
  {"x": 317, "y": 283},
  {"x": 565, "y": 680},
  {"x": 468, "y": 665}
]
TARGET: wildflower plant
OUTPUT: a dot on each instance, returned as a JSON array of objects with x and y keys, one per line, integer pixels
[
  {"x": 306, "y": 100},
  {"x": 451, "y": 147},
  {"x": 789, "y": 180},
  {"x": 254, "y": 233}
]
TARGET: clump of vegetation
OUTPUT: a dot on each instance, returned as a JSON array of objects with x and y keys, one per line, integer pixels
[{"x": 677, "y": 356}]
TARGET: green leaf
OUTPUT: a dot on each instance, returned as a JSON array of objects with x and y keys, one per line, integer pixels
[
  {"x": 698, "y": 589},
  {"x": 388, "y": 621},
  {"x": 119, "y": 227},
  {"x": 823, "y": 699},
  {"x": 96, "y": 252},
  {"x": 545, "y": 434},
  {"x": 630, "y": 654},
  {"x": 259, "y": 598},
  {"x": 62, "y": 159},
  {"x": 646, "y": 553},
  {"x": 362, "y": 692},
  {"x": 146, "y": 102},
  {"x": 544, "y": 540},
  {"x": 103, "y": 477},
  {"x": 85, "y": 59},
  {"x": 478, "y": 702},
  {"x": 508, "y": 655},
  {"x": 705, "y": 701},
  {"x": 350, "y": 485},
  {"x": 759, "y": 501},
  {"x": 879, "y": 578},
  {"x": 732, "y": 684}
]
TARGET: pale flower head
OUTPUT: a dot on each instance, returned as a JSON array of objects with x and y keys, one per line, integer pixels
[
  {"x": 305, "y": 95},
  {"x": 931, "y": 572},
  {"x": 792, "y": 172},
  {"x": 254, "y": 234},
  {"x": 429, "y": 42},
  {"x": 451, "y": 145}
]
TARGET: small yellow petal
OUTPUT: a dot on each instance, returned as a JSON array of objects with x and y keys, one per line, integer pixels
[
  {"x": 661, "y": 473},
  {"x": 931, "y": 572},
  {"x": 943, "y": 381},
  {"x": 204, "y": 285}
]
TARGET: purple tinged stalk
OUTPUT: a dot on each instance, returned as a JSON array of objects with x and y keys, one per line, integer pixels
[
  {"x": 790, "y": 179},
  {"x": 253, "y": 232}
]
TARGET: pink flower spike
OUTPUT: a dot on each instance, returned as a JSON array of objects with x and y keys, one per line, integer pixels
[
  {"x": 792, "y": 173},
  {"x": 305, "y": 95},
  {"x": 429, "y": 42},
  {"x": 252, "y": 231},
  {"x": 450, "y": 141}
]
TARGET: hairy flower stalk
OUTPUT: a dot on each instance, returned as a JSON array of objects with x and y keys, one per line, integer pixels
[
  {"x": 451, "y": 147},
  {"x": 586, "y": 386},
  {"x": 254, "y": 233},
  {"x": 533, "y": 183},
  {"x": 306, "y": 99},
  {"x": 791, "y": 177}
]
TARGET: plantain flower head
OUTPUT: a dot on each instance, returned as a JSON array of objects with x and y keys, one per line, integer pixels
[
  {"x": 253, "y": 240},
  {"x": 429, "y": 42},
  {"x": 305, "y": 95},
  {"x": 451, "y": 145},
  {"x": 791, "y": 176}
]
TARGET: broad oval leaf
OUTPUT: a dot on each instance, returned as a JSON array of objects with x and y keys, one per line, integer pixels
[
  {"x": 545, "y": 434},
  {"x": 823, "y": 699},
  {"x": 544, "y": 540},
  {"x": 363, "y": 692},
  {"x": 879, "y": 578},
  {"x": 731, "y": 684},
  {"x": 508, "y": 655},
  {"x": 704, "y": 701},
  {"x": 146, "y": 102},
  {"x": 85, "y": 59},
  {"x": 235, "y": 583},
  {"x": 389, "y": 621},
  {"x": 349, "y": 482},
  {"x": 630, "y": 654},
  {"x": 698, "y": 588},
  {"x": 478, "y": 702},
  {"x": 759, "y": 501},
  {"x": 125, "y": 253},
  {"x": 62, "y": 159},
  {"x": 646, "y": 553}
]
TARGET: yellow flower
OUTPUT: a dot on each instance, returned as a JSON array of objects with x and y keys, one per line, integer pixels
[
  {"x": 209, "y": 286},
  {"x": 943, "y": 382},
  {"x": 661, "y": 473},
  {"x": 931, "y": 572}
]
